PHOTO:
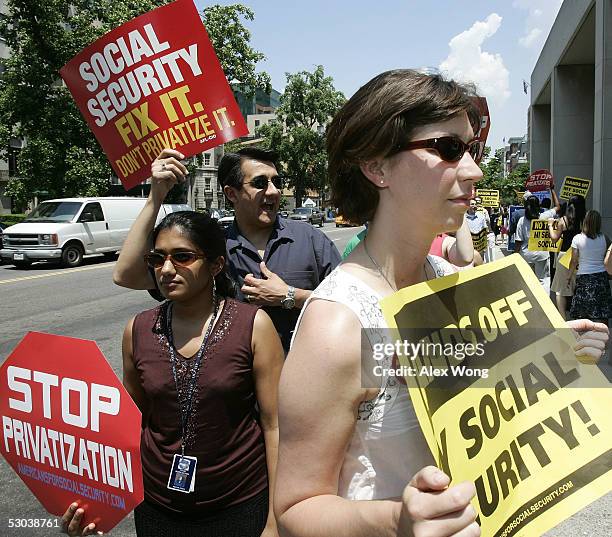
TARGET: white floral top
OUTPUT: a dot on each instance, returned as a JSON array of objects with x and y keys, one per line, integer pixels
[{"x": 388, "y": 446}]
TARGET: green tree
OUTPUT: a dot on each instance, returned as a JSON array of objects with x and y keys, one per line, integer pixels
[
  {"x": 493, "y": 176},
  {"x": 61, "y": 157},
  {"x": 309, "y": 102},
  {"x": 231, "y": 40}
]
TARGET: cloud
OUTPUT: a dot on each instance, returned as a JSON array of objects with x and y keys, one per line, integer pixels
[
  {"x": 541, "y": 15},
  {"x": 467, "y": 62}
]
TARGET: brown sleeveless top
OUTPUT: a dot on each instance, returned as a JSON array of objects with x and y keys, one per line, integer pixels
[{"x": 223, "y": 432}]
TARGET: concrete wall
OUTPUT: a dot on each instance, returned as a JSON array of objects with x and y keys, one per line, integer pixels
[
  {"x": 572, "y": 123},
  {"x": 568, "y": 20},
  {"x": 540, "y": 137},
  {"x": 602, "y": 144},
  {"x": 571, "y": 102}
]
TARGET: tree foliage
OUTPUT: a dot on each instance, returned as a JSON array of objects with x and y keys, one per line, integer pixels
[
  {"x": 493, "y": 176},
  {"x": 309, "y": 102},
  {"x": 231, "y": 40},
  {"x": 61, "y": 157}
]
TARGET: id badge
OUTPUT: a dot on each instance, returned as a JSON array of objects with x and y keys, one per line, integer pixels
[{"x": 182, "y": 474}]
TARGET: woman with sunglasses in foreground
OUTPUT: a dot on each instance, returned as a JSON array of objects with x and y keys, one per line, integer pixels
[
  {"x": 401, "y": 156},
  {"x": 203, "y": 368}
]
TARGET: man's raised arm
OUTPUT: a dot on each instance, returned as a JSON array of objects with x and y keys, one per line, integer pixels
[{"x": 130, "y": 269}]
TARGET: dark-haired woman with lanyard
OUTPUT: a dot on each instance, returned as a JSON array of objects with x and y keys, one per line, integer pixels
[{"x": 203, "y": 368}]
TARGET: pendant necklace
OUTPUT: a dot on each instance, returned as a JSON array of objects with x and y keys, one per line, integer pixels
[{"x": 380, "y": 270}]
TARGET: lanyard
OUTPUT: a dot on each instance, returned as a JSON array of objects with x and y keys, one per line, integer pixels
[{"x": 193, "y": 378}]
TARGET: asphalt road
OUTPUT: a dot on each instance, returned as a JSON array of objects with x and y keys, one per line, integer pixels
[{"x": 84, "y": 303}]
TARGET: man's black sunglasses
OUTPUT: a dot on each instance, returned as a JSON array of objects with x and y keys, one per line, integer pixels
[
  {"x": 261, "y": 182},
  {"x": 450, "y": 148}
]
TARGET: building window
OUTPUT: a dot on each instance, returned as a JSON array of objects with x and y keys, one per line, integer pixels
[
  {"x": 207, "y": 180},
  {"x": 206, "y": 159},
  {"x": 257, "y": 123}
]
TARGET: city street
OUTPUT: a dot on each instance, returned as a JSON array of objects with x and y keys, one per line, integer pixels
[{"x": 84, "y": 303}]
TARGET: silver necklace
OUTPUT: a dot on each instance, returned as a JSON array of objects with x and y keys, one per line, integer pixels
[{"x": 380, "y": 270}]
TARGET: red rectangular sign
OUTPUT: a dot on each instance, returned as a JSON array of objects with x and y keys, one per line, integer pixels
[{"x": 154, "y": 82}]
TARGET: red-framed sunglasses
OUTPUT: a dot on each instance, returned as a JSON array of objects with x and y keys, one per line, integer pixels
[{"x": 450, "y": 148}]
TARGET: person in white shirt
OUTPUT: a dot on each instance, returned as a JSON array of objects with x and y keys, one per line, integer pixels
[
  {"x": 591, "y": 262},
  {"x": 538, "y": 261}
]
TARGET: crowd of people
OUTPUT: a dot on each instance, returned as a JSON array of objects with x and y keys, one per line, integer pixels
[{"x": 239, "y": 439}]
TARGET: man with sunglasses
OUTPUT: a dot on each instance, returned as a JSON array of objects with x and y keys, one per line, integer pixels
[{"x": 275, "y": 262}]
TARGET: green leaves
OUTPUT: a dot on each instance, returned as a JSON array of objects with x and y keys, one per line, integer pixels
[
  {"x": 231, "y": 41},
  {"x": 493, "y": 172},
  {"x": 308, "y": 104},
  {"x": 61, "y": 157}
]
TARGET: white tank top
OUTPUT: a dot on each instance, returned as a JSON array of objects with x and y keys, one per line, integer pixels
[{"x": 388, "y": 446}]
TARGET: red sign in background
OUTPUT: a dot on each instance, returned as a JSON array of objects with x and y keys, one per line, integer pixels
[
  {"x": 152, "y": 83},
  {"x": 70, "y": 429},
  {"x": 539, "y": 180}
]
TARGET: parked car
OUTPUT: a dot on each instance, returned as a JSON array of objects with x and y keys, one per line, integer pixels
[
  {"x": 69, "y": 228},
  {"x": 307, "y": 214},
  {"x": 284, "y": 214},
  {"x": 341, "y": 222},
  {"x": 226, "y": 222}
]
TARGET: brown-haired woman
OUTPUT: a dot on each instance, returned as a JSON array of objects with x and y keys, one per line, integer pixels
[
  {"x": 401, "y": 155},
  {"x": 590, "y": 256},
  {"x": 566, "y": 228}
]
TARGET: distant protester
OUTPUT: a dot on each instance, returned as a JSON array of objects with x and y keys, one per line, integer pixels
[
  {"x": 538, "y": 261},
  {"x": 591, "y": 263},
  {"x": 566, "y": 227}
]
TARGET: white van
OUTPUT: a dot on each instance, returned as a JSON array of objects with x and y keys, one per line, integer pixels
[{"x": 70, "y": 228}]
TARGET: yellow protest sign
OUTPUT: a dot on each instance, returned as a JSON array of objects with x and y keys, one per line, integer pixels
[
  {"x": 539, "y": 238},
  {"x": 574, "y": 186},
  {"x": 490, "y": 198},
  {"x": 566, "y": 259},
  {"x": 519, "y": 195},
  {"x": 510, "y": 408},
  {"x": 480, "y": 240}
]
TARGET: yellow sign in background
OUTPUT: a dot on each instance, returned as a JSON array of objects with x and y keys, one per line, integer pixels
[
  {"x": 573, "y": 186},
  {"x": 534, "y": 434},
  {"x": 490, "y": 198},
  {"x": 480, "y": 240}
]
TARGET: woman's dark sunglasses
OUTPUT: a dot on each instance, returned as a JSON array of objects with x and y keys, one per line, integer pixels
[
  {"x": 261, "y": 182},
  {"x": 178, "y": 259},
  {"x": 450, "y": 148}
]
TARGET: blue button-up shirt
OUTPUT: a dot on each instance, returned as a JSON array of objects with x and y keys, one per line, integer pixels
[{"x": 299, "y": 254}]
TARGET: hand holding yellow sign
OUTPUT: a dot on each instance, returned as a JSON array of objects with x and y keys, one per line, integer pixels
[{"x": 518, "y": 415}]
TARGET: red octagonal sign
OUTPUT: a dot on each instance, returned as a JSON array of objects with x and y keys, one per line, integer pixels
[{"x": 70, "y": 429}]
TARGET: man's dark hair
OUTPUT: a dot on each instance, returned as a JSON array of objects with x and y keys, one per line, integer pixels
[
  {"x": 377, "y": 122},
  {"x": 532, "y": 208},
  {"x": 546, "y": 203},
  {"x": 230, "y": 167}
]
